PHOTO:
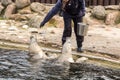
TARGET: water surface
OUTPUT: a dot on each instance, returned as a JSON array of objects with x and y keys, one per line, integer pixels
[{"x": 16, "y": 65}]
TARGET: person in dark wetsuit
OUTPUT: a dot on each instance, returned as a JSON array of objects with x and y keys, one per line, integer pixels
[{"x": 72, "y": 10}]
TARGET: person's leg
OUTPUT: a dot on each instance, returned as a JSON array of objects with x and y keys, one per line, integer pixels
[
  {"x": 67, "y": 29},
  {"x": 79, "y": 39}
]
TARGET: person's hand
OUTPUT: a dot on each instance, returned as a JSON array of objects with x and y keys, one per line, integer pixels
[
  {"x": 41, "y": 24},
  {"x": 81, "y": 14}
]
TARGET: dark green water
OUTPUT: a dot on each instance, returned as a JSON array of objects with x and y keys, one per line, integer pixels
[{"x": 16, "y": 65}]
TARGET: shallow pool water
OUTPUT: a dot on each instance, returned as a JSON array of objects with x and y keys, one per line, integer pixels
[{"x": 16, "y": 65}]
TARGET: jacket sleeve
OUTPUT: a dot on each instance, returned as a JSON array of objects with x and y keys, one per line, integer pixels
[
  {"x": 52, "y": 12},
  {"x": 82, "y": 11}
]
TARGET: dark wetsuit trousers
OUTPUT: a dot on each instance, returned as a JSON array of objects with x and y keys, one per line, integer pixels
[{"x": 68, "y": 29}]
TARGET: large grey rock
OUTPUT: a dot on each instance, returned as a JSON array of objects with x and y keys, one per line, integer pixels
[
  {"x": 22, "y": 3},
  {"x": 37, "y": 7},
  {"x": 99, "y": 12},
  {"x": 6, "y": 2},
  {"x": 10, "y": 10}
]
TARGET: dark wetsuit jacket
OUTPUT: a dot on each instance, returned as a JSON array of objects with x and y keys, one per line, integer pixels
[{"x": 58, "y": 6}]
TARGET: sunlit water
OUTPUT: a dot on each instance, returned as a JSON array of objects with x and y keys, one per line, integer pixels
[{"x": 16, "y": 65}]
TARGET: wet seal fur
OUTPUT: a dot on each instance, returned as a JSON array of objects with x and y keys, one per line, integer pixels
[
  {"x": 35, "y": 50},
  {"x": 66, "y": 55}
]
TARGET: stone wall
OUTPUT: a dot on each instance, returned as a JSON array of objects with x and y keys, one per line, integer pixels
[
  {"x": 108, "y": 15},
  {"x": 24, "y": 10}
]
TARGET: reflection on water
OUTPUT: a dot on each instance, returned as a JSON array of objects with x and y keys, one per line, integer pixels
[
  {"x": 49, "y": 70},
  {"x": 15, "y": 65},
  {"x": 84, "y": 71},
  {"x": 89, "y": 76}
]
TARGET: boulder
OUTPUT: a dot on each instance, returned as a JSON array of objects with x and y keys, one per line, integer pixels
[
  {"x": 37, "y": 7},
  {"x": 18, "y": 17},
  {"x": 25, "y": 10},
  {"x": 6, "y": 2},
  {"x": 99, "y": 12},
  {"x": 10, "y": 10},
  {"x": 22, "y": 3},
  {"x": 111, "y": 18}
]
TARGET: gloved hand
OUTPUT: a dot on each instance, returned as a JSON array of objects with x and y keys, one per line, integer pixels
[
  {"x": 41, "y": 24},
  {"x": 81, "y": 14}
]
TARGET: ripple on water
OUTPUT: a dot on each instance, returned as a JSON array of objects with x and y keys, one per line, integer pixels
[{"x": 15, "y": 65}]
